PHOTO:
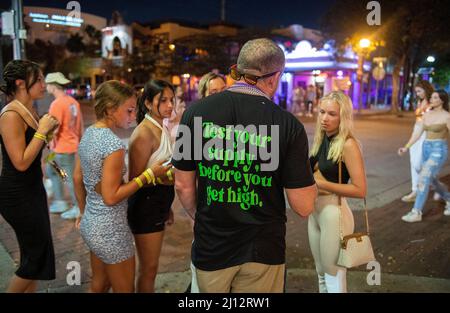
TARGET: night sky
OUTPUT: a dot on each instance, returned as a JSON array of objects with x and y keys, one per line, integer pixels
[{"x": 262, "y": 13}]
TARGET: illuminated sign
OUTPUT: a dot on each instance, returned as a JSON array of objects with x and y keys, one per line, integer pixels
[
  {"x": 117, "y": 41},
  {"x": 56, "y": 19}
]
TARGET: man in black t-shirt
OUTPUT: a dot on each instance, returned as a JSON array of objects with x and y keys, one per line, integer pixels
[{"x": 245, "y": 151}]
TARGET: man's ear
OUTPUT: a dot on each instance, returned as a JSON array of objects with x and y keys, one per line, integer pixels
[{"x": 273, "y": 80}]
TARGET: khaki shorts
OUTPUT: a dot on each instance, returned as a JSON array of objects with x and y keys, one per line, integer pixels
[{"x": 246, "y": 278}]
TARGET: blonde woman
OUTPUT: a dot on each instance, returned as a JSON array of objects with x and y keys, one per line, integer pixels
[
  {"x": 334, "y": 142},
  {"x": 101, "y": 192}
]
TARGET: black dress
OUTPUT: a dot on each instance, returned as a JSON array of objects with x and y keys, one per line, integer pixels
[{"x": 23, "y": 204}]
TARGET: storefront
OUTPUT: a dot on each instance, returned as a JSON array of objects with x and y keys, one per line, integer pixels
[{"x": 321, "y": 69}]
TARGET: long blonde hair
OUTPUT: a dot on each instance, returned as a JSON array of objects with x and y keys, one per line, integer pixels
[{"x": 345, "y": 126}]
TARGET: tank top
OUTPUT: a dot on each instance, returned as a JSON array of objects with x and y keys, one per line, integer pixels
[
  {"x": 436, "y": 131},
  {"x": 165, "y": 149},
  {"x": 329, "y": 168}
]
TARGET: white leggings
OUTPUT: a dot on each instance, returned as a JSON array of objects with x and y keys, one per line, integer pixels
[
  {"x": 415, "y": 157},
  {"x": 323, "y": 232}
]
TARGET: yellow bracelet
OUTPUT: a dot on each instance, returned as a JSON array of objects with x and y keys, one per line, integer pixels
[
  {"x": 407, "y": 146},
  {"x": 139, "y": 182},
  {"x": 159, "y": 181},
  {"x": 147, "y": 176},
  {"x": 169, "y": 175},
  {"x": 40, "y": 136},
  {"x": 152, "y": 176}
]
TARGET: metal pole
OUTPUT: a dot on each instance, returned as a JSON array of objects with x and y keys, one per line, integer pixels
[{"x": 18, "y": 42}]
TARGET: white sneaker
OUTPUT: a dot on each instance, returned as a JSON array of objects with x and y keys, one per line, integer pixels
[
  {"x": 58, "y": 206},
  {"x": 410, "y": 197},
  {"x": 447, "y": 209},
  {"x": 437, "y": 197},
  {"x": 412, "y": 216},
  {"x": 71, "y": 214}
]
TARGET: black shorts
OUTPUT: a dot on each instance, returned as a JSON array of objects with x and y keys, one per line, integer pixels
[{"x": 148, "y": 209}]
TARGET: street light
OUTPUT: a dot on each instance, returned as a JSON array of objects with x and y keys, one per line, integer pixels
[
  {"x": 431, "y": 59},
  {"x": 364, "y": 43}
]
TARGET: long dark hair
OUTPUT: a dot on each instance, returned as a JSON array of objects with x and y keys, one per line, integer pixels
[
  {"x": 151, "y": 89},
  {"x": 443, "y": 95},
  {"x": 19, "y": 69}
]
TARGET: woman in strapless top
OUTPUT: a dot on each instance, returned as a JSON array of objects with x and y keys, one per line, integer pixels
[
  {"x": 149, "y": 210},
  {"x": 423, "y": 90},
  {"x": 436, "y": 125}
]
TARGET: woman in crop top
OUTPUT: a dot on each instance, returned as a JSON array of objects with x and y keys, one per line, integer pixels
[
  {"x": 150, "y": 208},
  {"x": 436, "y": 125},
  {"x": 423, "y": 90},
  {"x": 334, "y": 141}
]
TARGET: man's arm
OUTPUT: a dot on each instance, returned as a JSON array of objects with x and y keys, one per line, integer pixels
[
  {"x": 185, "y": 187},
  {"x": 302, "y": 200}
]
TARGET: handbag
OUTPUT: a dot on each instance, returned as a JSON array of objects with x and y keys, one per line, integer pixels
[{"x": 356, "y": 249}]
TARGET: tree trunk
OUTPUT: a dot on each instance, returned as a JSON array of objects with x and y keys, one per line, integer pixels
[{"x": 396, "y": 84}]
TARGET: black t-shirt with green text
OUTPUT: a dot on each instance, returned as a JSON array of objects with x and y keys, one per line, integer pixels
[{"x": 245, "y": 150}]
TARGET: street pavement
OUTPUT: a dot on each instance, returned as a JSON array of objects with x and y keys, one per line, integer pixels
[{"x": 412, "y": 257}]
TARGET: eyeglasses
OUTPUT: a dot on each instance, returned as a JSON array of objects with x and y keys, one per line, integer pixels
[{"x": 248, "y": 78}]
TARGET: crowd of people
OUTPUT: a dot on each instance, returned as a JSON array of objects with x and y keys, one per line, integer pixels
[{"x": 239, "y": 222}]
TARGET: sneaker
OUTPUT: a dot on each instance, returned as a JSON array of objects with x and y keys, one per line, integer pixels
[
  {"x": 412, "y": 216},
  {"x": 437, "y": 197},
  {"x": 71, "y": 214},
  {"x": 58, "y": 206},
  {"x": 447, "y": 209},
  {"x": 410, "y": 197}
]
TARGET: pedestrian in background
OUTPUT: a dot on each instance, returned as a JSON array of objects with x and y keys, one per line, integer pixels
[
  {"x": 436, "y": 126},
  {"x": 64, "y": 144}
]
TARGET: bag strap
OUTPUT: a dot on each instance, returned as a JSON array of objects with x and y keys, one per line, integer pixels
[{"x": 340, "y": 206}]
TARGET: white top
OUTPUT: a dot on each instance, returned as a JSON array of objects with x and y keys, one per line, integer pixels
[{"x": 165, "y": 149}]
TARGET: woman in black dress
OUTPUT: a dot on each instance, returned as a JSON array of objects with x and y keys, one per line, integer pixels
[{"x": 23, "y": 201}]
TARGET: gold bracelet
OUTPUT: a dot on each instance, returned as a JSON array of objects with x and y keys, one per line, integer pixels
[
  {"x": 40, "y": 136},
  {"x": 169, "y": 175},
  {"x": 139, "y": 182}
]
